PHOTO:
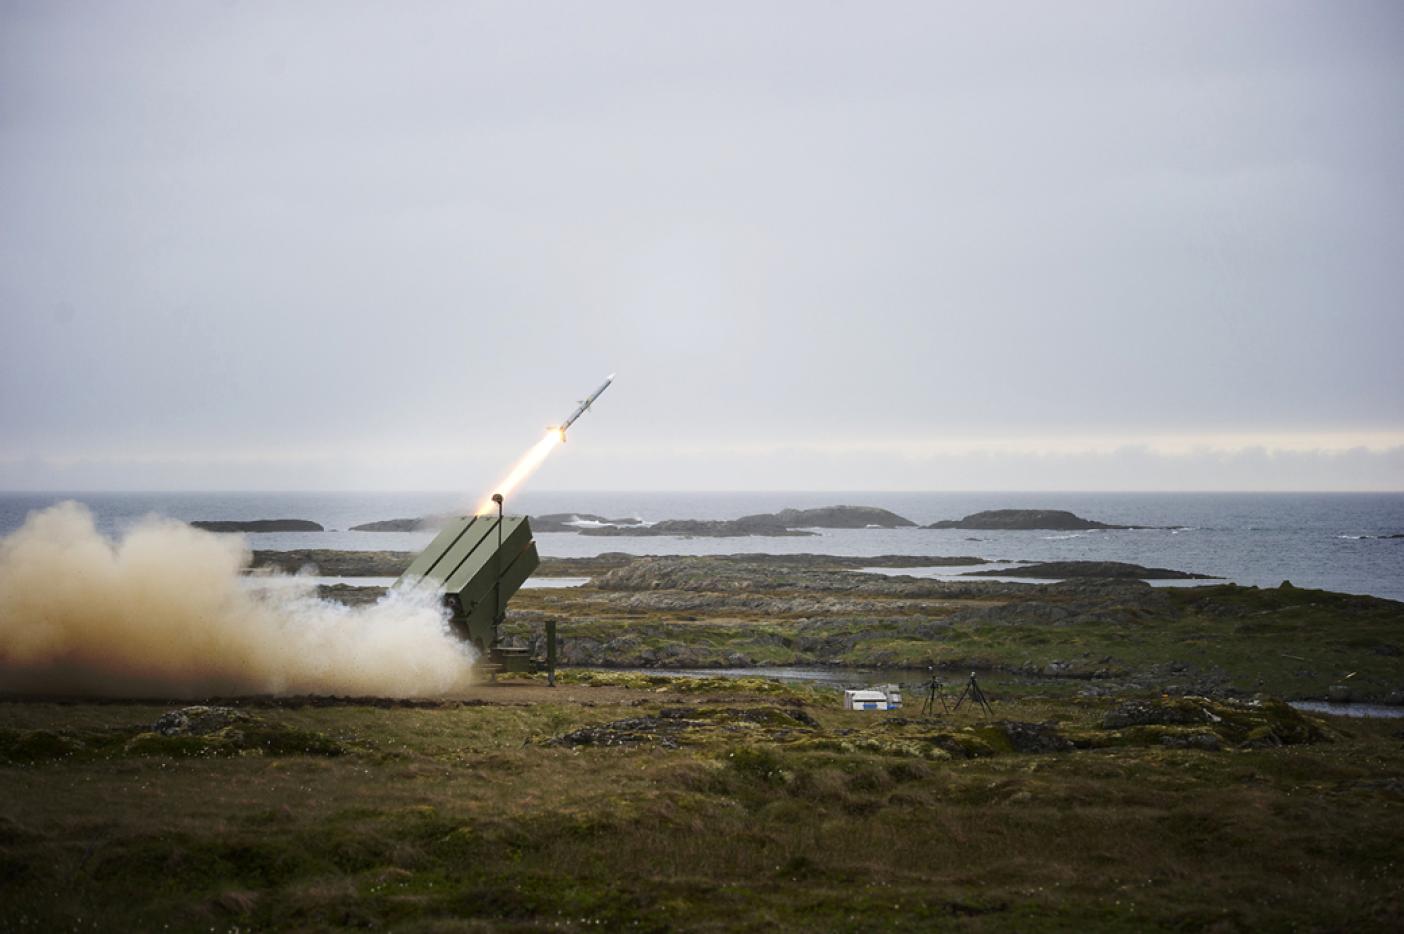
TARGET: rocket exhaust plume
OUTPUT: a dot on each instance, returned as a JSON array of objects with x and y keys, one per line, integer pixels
[
  {"x": 524, "y": 468},
  {"x": 165, "y": 611},
  {"x": 534, "y": 458}
]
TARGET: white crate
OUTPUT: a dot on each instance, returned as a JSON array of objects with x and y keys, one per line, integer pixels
[{"x": 865, "y": 700}]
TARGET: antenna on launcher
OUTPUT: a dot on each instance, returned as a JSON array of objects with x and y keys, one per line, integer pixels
[{"x": 501, "y": 609}]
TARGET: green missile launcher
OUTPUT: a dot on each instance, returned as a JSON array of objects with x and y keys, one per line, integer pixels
[{"x": 477, "y": 563}]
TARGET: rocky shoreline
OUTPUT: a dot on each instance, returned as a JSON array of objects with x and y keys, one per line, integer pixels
[{"x": 1082, "y": 635}]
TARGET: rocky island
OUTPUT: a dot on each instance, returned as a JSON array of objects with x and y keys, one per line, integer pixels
[
  {"x": 1112, "y": 570},
  {"x": 785, "y": 523},
  {"x": 258, "y": 525},
  {"x": 1058, "y": 520},
  {"x": 843, "y": 517},
  {"x": 767, "y": 525},
  {"x": 421, "y": 524}
]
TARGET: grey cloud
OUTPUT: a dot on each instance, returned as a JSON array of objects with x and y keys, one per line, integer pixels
[{"x": 264, "y": 224}]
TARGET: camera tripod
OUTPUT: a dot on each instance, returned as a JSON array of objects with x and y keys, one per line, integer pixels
[
  {"x": 935, "y": 692},
  {"x": 977, "y": 696}
]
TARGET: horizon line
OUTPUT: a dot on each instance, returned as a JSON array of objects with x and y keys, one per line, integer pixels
[{"x": 767, "y": 491}]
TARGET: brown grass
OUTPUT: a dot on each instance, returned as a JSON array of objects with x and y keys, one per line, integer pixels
[{"x": 457, "y": 818}]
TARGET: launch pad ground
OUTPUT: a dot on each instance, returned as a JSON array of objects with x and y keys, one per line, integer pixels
[{"x": 625, "y": 801}]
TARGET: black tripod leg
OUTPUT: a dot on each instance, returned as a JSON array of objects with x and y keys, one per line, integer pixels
[
  {"x": 933, "y": 691},
  {"x": 979, "y": 695}
]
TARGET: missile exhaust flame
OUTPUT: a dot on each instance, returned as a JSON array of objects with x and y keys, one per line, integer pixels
[
  {"x": 535, "y": 457},
  {"x": 524, "y": 468}
]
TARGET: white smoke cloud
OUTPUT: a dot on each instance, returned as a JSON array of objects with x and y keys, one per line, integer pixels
[{"x": 164, "y": 611}]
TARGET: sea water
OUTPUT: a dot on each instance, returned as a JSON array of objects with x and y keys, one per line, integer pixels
[{"x": 1326, "y": 540}]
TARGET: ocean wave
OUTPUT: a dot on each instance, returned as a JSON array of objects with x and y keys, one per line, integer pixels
[{"x": 580, "y": 523}]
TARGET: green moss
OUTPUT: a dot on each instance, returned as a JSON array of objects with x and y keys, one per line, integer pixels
[
  {"x": 245, "y": 738},
  {"x": 970, "y": 744},
  {"x": 1153, "y": 735},
  {"x": 276, "y": 740},
  {"x": 993, "y": 737},
  {"x": 876, "y": 745},
  {"x": 22, "y": 747},
  {"x": 677, "y": 684},
  {"x": 154, "y": 744},
  {"x": 849, "y": 825},
  {"x": 756, "y": 762},
  {"x": 772, "y": 717}
]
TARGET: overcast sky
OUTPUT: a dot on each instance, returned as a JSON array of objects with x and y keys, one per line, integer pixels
[{"x": 825, "y": 245}]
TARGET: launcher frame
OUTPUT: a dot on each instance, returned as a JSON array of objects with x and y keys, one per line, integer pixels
[{"x": 477, "y": 563}]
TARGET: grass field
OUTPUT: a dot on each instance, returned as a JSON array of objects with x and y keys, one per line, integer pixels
[
  {"x": 1290, "y": 642},
  {"x": 626, "y": 802}
]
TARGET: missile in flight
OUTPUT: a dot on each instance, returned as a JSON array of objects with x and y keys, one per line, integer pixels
[{"x": 584, "y": 405}]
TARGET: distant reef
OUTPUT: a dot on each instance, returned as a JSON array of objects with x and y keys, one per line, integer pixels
[
  {"x": 570, "y": 521},
  {"x": 843, "y": 517},
  {"x": 259, "y": 525},
  {"x": 401, "y": 525},
  {"x": 1117, "y": 570},
  {"x": 704, "y": 528},
  {"x": 1059, "y": 520},
  {"x": 785, "y": 523}
]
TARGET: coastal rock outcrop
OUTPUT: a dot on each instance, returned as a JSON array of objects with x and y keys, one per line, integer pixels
[
  {"x": 843, "y": 517},
  {"x": 335, "y": 563},
  {"x": 575, "y": 521},
  {"x": 768, "y": 525},
  {"x": 1097, "y": 600},
  {"x": 258, "y": 525},
  {"x": 1059, "y": 520},
  {"x": 785, "y": 523},
  {"x": 421, "y": 524},
  {"x": 1115, "y": 570},
  {"x": 721, "y": 574},
  {"x": 197, "y": 721}
]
